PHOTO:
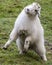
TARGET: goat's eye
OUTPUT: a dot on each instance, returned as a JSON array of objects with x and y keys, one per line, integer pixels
[{"x": 26, "y": 42}]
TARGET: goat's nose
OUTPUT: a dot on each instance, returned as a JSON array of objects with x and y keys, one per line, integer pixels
[{"x": 27, "y": 9}]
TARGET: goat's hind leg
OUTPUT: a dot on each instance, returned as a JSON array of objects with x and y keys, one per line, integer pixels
[
  {"x": 40, "y": 49},
  {"x": 12, "y": 37}
]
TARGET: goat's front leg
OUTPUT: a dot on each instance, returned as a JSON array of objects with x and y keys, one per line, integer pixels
[{"x": 20, "y": 45}]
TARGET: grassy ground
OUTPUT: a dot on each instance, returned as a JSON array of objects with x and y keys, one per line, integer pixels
[{"x": 9, "y": 10}]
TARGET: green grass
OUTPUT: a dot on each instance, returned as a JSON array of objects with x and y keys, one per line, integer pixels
[{"x": 9, "y": 10}]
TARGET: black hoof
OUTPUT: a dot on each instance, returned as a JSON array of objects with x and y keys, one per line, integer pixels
[
  {"x": 25, "y": 52},
  {"x": 4, "y": 48}
]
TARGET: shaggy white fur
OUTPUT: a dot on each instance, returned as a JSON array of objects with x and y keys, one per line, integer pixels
[{"x": 28, "y": 22}]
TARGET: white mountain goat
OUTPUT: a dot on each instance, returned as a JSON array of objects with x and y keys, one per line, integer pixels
[{"x": 28, "y": 31}]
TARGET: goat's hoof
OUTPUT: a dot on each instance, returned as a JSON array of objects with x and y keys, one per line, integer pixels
[{"x": 4, "y": 48}]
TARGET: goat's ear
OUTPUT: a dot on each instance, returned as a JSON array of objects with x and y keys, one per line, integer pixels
[
  {"x": 39, "y": 9},
  {"x": 25, "y": 9}
]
